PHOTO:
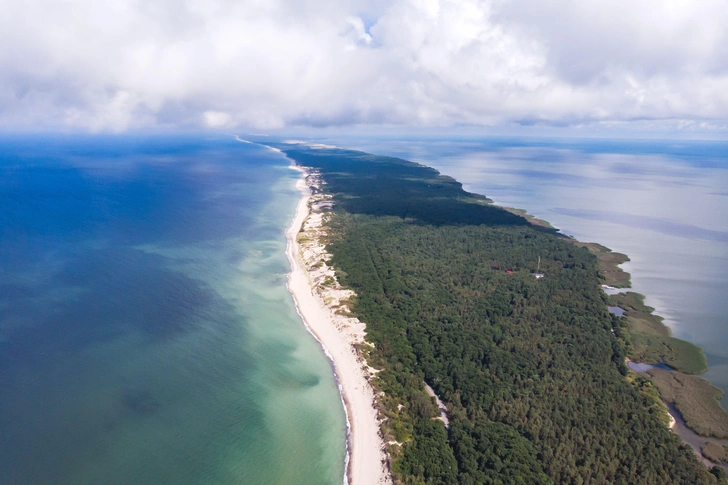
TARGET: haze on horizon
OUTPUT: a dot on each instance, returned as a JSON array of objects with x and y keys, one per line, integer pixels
[{"x": 653, "y": 66}]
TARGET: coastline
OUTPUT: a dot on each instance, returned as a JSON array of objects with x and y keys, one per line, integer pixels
[
  {"x": 320, "y": 303},
  {"x": 693, "y": 407},
  {"x": 701, "y": 420}
]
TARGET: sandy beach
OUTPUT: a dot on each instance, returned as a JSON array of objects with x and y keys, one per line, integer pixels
[{"x": 322, "y": 304}]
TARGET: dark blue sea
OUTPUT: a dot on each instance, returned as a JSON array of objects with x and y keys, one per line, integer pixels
[{"x": 146, "y": 333}]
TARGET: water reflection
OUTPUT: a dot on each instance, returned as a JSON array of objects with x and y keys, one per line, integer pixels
[
  {"x": 616, "y": 310},
  {"x": 642, "y": 367}
]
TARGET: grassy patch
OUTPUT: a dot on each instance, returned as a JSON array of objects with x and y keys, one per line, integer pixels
[
  {"x": 647, "y": 326},
  {"x": 680, "y": 355},
  {"x": 715, "y": 453},
  {"x": 608, "y": 262},
  {"x": 651, "y": 340},
  {"x": 697, "y": 400},
  {"x": 639, "y": 314},
  {"x": 530, "y": 218}
]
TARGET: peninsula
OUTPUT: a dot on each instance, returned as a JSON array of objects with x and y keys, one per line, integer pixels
[{"x": 532, "y": 370}]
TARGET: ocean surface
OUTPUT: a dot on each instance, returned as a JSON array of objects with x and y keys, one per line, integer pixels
[
  {"x": 663, "y": 203},
  {"x": 146, "y": 333}
]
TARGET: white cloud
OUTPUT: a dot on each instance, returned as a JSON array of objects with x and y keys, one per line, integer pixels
[
  {"x": 116, "y": 65},
  {"x": 217, "y": 119}
]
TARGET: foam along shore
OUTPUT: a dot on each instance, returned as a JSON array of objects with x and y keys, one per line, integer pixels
[{"x": 322, "y": 304}]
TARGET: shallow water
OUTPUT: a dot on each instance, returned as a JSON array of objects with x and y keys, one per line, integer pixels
[
  {"x": 616, "y": 310},
  {"x": 146, "y": 333},
  {"x": 693, "y": 439},
  {"x": 642, "y": 367},
  {"x": 663, "y": 203}
]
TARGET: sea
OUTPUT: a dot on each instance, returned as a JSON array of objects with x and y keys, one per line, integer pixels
[
  {"x": 146, "y": 332},
  {"x": 664, "y": 203}
]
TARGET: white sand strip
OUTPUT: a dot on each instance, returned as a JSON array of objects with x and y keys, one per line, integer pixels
[
  {"x": 317, "y": 303},
  {"x": 440, "y": 405}
]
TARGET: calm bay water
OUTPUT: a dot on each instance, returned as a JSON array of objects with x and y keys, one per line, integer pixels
[
  {"x": 664, "y": 203},
  {"x": 146, "y": 333}
]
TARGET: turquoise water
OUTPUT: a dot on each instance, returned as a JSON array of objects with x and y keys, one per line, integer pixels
[
  {"x": 146, "y": 333},
  {"x": 663, "y": 203}
]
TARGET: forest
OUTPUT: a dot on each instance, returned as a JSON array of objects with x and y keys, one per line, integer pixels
[{"x": 532, "y": 370}]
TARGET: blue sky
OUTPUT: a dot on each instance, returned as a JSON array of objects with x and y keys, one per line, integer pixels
[{"x": 504, "y": 66}]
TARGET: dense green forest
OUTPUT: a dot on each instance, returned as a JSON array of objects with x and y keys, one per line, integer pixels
[{"x": 532, "y": 369}]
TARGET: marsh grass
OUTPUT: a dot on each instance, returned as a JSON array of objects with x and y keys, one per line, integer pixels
[
  {"x": 715, "y": 453},
  {"x": 608, "y": 264},
  {"x": 652, "y": 342},
  {"x": 697, "y": 400}
]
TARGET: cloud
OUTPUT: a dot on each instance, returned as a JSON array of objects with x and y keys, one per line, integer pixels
[
  {"x": 132, "y": 64},
  {"x": 217, "y": 119}
]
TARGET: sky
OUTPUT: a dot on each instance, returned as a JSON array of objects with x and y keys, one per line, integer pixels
[{"x": 657, "y": 66}]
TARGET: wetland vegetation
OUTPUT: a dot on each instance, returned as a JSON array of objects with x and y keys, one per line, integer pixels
[
  {"x": 647, "y": 340},
  {"x": 608, "y": 263},
  {"x": 651, "y": 340}
]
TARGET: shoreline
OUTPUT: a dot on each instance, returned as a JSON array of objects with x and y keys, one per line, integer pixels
[
  {"x": 694, "y": 440},
  {"x": 682, "y": 357},
  {"x": 338, "y": 335},
  {"x": 617, "y": 285}
]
